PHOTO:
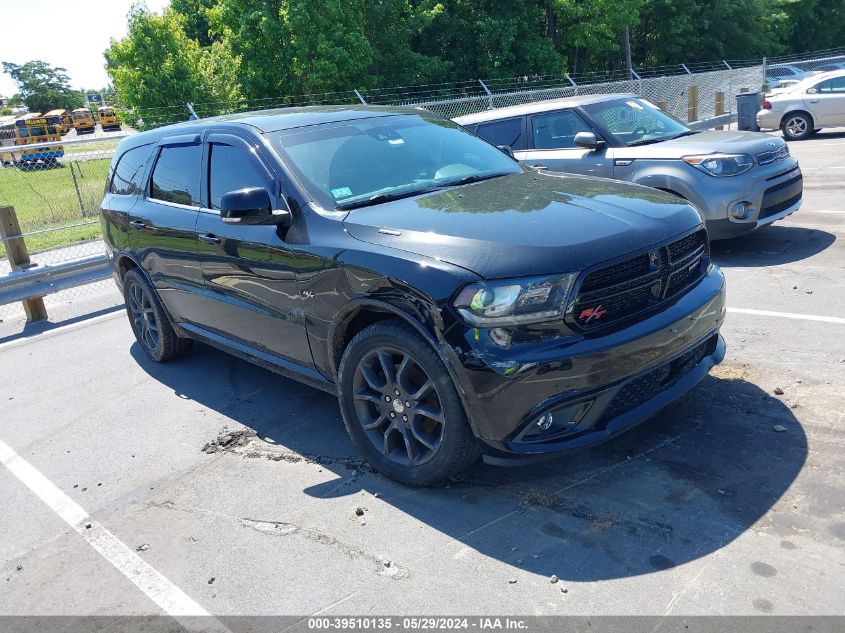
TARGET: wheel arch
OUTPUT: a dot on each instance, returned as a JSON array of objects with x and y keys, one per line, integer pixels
[
  {"x": 365, "y": 311},
  {"x": 795, "y": 111}
]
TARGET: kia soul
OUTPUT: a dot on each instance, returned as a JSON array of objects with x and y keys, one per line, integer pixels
[{"x": 458, "y": 303}]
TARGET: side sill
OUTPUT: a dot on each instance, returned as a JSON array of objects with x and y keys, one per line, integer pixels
[{"x": 274, "y": 363}]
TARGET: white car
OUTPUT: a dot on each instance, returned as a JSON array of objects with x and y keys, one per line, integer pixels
[{"x": 806, "y": 107}]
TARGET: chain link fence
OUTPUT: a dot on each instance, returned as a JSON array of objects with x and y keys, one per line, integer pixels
[{"x": 56, "y": 201}]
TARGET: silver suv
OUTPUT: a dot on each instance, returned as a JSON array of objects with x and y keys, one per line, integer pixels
[{"x": 739, "y": 181}]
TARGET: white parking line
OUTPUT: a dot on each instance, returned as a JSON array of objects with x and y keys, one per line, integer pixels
[
  {"x": 169, "y": 598},
  {"x": 789, "y": 315}
]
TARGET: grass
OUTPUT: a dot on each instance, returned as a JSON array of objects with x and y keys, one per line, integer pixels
[{"x": 45, "y": 197}]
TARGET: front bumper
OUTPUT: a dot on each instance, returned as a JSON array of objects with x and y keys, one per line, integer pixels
[
  {"x": 774, "y": 191},
  {"x": 625, "y": 375}
]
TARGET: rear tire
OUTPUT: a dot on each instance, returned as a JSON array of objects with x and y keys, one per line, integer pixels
[
  {"x": 401, "y": 408},
  {"x": 796, "y": 126},
  {"x": 149, "y": 322}
]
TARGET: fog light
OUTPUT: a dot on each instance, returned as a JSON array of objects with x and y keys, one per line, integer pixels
[
  {"x": 742, "y": 210},
  {"x": 545, "y": 421}
]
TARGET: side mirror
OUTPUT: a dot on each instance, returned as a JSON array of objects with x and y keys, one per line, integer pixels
[
  {"x": 251, "y": 206},
  {"x": 506, "y": 149},
  {"x": 812, "y": 91},
  {"x": 587, "y": 140}
]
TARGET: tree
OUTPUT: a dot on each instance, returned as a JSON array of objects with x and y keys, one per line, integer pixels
[
  {"x": 156, "y": 69},
  {"x": 327, "y": 44},
  {"x": 43, "y": 87},
  {"x": 196, "y": 23}
]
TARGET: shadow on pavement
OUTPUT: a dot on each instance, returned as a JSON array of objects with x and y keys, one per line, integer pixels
[
  {"x": 20, "y": 329},
  {"x": 771, "y": 245},
  {"x": 679, "y": 487}
]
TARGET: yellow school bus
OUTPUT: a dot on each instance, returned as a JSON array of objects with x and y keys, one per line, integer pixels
[
  {"x": 108, "y": 118},
  {"x": 83, "y": 120},
  {"x": 31, "y": 129},
  {"x": 66, "y": 123}
]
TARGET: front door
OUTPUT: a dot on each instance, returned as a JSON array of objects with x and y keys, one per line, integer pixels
[
  {"x": 552, "y": 142},
  {"x": 249, "y": 271}
]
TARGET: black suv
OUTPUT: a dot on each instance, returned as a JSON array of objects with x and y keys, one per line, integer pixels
[{"x": 456, "y": 302}]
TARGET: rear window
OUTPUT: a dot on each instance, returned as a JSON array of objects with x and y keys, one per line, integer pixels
[
  {"x": 505, "y": 132},
  {"x": 126, "y": 180},
  {"x": 176, "y": 176}
]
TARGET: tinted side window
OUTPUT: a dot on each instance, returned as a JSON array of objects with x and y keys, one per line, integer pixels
[
  {"x": 557, "y": 130},
  {"x": 230, "y": 169},
  {"x": 129, "y": 171},
  {"x": 505, "y": 132},
  {"x": 836, "y": 84},
  {"x": 176, "y": 177}
]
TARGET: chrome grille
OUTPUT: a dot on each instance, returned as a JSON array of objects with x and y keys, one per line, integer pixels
[{"x": 765, "y": 158}]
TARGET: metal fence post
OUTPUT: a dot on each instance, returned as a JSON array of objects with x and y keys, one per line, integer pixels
[
  {"x": 16, "y": 251},
  {"x": 360, "y": 98},
  {"x": 572, "y": 82},
  {"x": 489, "y": 95}
]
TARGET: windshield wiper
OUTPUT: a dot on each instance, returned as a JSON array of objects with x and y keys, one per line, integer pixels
[
  {"x": 646, "y": 141},
  {"x": 387, "y": 196},
  {"x": 465, "y": 180},
  {"x": 687, "y": 133}
]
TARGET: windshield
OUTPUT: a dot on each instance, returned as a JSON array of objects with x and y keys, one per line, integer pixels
[
  {"x": 636, "y": 121},
  {"x": 367, "y": 161}
]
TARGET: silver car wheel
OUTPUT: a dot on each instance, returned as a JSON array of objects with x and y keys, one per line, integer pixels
[{"x": 797, "y": 126}]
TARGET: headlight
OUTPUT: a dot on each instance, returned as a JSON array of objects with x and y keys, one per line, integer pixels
[
  {"x": 515, "y": 301},
  {"x": 721, "y": 164}
]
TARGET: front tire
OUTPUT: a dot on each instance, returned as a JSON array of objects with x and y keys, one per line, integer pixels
[
  {"x": 150, "y": 324},
  {"x": 796, "y": 126},
  {"x": 401, "y": 408}
]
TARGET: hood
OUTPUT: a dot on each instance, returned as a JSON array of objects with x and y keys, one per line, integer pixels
[
  {"x": 706, "y": 142},
  {"x": 528, "y": 223}
]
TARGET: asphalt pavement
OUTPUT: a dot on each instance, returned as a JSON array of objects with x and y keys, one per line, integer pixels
[{"x": 213, "y": 486}]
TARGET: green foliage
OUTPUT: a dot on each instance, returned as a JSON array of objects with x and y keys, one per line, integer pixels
[
  {"x": 156, "y": 68},
  {"x": 218, "y": 53},
  {"x": 808, "y": 25},
  {"x": 42, "y": 87},
  {"x": 680, "y": 31}
]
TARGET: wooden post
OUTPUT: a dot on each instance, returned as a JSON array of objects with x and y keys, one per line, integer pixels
[
  {"x": 692, "y": 107},
  {"x": 10, "y": 231},
  {"x": 720, "y": 107}
]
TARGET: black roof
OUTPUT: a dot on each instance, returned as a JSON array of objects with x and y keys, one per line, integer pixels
[{"x": 272, "y": 120}]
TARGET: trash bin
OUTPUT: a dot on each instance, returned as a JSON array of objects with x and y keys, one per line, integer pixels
[{"x": 748, "y": 104}]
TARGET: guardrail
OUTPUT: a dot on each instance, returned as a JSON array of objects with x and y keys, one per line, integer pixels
[{"x": 30, "y": 283}]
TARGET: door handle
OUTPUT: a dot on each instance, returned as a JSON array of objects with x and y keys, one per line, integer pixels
[
  {"x": 539, "y": 167},
  {"x": 137, "y": 224},
  {"x": 209, "y": 238},
  {"x": 814, "y": 100}
]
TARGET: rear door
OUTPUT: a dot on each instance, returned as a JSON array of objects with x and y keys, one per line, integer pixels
[
  {"x": 162, "y": 226},
  {"x": 510, "y": 132},
  {"x": 249, "y": 271},
  {"x": 828, "y": 102},
  {"x": 551, "y": 142}
]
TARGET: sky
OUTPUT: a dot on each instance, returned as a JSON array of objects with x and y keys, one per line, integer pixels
[{"x": 71, "y": 35}]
